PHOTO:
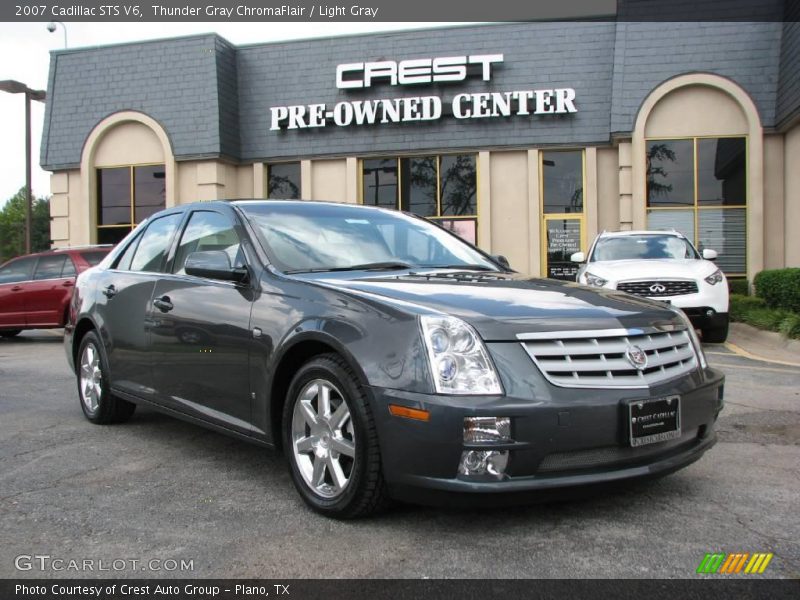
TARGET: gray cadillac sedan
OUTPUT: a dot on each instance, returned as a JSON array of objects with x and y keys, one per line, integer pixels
[{"x": 387, "y": 357}]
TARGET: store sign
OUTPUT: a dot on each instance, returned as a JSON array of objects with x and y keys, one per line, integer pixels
[{"x": 422, "y": 71}]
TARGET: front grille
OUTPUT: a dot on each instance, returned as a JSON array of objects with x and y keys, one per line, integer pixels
[
  {"x": 604, "y": 358},
  {"x": 658, "y": 288},
  {"x": 612, "y": 455}
]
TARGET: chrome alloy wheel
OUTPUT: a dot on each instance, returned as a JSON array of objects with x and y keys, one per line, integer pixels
[
  {"x": 323, "y": 438},
  {"x": 91, "y": 378}
]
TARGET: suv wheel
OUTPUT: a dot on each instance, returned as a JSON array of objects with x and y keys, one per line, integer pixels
[
  {"x": 715, "y": 335},
  {"x": 97, "y": 403},
  {"x": 330, "y": 440},
  {"x": 9, "y": 333}
]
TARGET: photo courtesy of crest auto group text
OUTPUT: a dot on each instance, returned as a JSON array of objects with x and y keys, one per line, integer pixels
[{"x": 312, "y": 300}]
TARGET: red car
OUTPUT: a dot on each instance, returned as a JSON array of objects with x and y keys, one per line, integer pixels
[{"x": 35, "y": 289}]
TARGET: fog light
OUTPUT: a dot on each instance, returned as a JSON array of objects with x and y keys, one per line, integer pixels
[
  {"x": 710, "y": 312},
  {"x": 483, "y": 463},
  {"x": 487, "y": 429}
]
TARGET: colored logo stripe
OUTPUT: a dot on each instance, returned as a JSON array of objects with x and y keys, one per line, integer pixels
[{"x": 720, "y": 563}]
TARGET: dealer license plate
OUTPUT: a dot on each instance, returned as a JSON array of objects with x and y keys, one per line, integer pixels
[{"x": 656, "y": 420}]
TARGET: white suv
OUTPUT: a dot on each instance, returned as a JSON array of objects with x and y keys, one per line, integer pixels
[{"x": 662, "y": 265}]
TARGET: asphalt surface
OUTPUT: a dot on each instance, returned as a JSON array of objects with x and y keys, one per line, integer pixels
[{"x": 158, "y": 488}]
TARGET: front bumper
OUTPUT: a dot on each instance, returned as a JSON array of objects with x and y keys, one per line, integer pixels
[{"x": 562, "y": 438}]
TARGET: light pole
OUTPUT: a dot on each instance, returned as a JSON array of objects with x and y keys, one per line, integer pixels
[
  {"x": 15, "y": 87},
  {"x": 51, "y": 27}
]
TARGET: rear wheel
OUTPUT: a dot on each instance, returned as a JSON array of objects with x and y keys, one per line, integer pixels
[
  {"x": 716, "y": 335},
  {"x": 9, "y": 333},
  {"x": 330, "y": 440},
  {"x": 98, "y": 405}
]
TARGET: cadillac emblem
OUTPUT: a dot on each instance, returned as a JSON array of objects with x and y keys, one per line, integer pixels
[{"x": 637, "y": 357}]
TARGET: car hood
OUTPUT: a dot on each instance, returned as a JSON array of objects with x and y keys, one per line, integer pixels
[
  {"x": 501, "y": 306},
  {"x": 623, "y": 270}
]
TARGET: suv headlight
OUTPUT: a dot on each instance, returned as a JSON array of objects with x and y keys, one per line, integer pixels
[
  {"x": 715, "y": 277},
  {"x": 698, "y": 347},
  {"x": 594, "y": 280},
  {"x": 459, "y": 361}
]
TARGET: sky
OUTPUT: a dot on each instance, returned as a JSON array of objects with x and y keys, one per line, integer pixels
[{"x": 25, "y": 57}]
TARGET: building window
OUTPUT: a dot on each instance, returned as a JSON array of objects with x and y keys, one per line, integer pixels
[
  {"x": 126, "y": 196},
  {"x": 699, "y": 187},
  {"x": 562, "y": 181},
  {"x": 440, "y": 188},
  {"x": 562, "y": 219},
  {"x": 283, "y": 181}
]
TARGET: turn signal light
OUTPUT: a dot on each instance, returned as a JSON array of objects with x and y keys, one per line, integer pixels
[{"x": 409, "y": 413}]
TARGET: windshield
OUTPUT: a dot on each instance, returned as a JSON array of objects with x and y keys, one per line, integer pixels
[
  {"x": 322, "y": 237},
  {"x": 643, "y": 247}
]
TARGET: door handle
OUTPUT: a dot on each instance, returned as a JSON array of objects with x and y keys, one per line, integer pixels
[
  {"x": 110, "y": 291},
  {"x": 16, "y": 288},
  {"x": 68, "y": 283},
  {"x": 163, "y": 304}
]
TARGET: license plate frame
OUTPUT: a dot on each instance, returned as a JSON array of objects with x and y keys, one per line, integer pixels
[{"x": 654, "y": 414}]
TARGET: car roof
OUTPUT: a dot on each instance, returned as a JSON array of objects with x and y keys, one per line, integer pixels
[
  {"x": 69, "y": 250},
  {"x": 671, "y": 232}
]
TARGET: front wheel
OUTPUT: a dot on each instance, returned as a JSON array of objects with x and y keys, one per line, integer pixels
[
  {"x": 330, "y": 440},
  {"x": 98, "y": 405}
]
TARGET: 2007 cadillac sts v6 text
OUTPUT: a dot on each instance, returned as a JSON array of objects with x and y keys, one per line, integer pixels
[{"x": 387, "y": 357}]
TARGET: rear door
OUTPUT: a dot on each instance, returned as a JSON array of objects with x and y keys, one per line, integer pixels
[
  {"x": 200, "y": 329},
  {"x": 46, "y": 297},
  {"x": 123, "y": 302},
  {"x": 14, "y": 277}
]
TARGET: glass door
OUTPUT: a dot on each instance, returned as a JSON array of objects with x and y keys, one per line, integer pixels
[{"x": 562, "y": 236}]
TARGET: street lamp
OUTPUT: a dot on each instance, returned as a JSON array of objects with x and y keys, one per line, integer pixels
[
  {"x": 51, "y": 27},
  {"x": 15, "y": 87}
]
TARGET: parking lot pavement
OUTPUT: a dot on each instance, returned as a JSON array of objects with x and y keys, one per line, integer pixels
[{"x": 158, "y": 488}]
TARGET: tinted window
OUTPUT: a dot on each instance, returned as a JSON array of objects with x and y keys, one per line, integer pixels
[
  {"x": 18, "y": 270},
  {"x": 283, "y": 181},
  {"x": 114, "y": 196},
  {"x": 418, "y": 176},
  {"x": 459, "y": 185},
  {"x": 207, "y": 231},
  {"x": 562, "y": 174},
  {"x": 380, "y": 182},
  {"x": 670, "y": 173},
  {"x": 154, "y": 244},
  {"x": 124, "y": 261},
  {"x": 150, "y": 191},
  {"x": 94, "y": 258},
  {"x": 721, "y": 171},
  {"x": 69, "y": 268},
  {"x": 50, "y": 267}
]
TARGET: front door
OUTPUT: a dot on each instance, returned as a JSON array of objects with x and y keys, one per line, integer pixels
[
  {"x": 14, "y": 278},
  {"x": 562, "y": 237},
  {"x": 200, "y": 331}
]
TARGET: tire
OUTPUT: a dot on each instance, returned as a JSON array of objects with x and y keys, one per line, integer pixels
[
  {"x": 10, "y": 333},
  {"x": 94, "y": 393},
  {"x": 715, "y": 335},
  {"x": 356, "y": 487}
]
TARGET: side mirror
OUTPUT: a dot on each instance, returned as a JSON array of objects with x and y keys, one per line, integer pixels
[
  {"x": 578, "y": 257},
  {"x": 502, "y": 261},
  {"x": 214, "y": 264},
  {"x": 710, "y": 254}
]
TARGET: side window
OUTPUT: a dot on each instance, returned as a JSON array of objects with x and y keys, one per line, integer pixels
[
  {"x": 50, "y": 267},
  {"x": 208, "y": 231},
  {"x": 154, "y": 244},
  {"x": 69, "y": 268},
  {"x": 18, "y": 270},
  {"x": 123, "y": 262},
  {"x": 94, "y": 258}
]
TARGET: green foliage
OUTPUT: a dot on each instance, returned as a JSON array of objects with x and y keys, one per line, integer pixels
[
  {"x": 780, "y": 288},
  {"x": 738, "y": 286},
  {"x": 754, "y": 311},
  {"x": 12, "y": 226}
]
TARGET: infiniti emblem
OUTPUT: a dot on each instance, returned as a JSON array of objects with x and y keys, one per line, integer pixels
[
  {"x": 658, "y": 288},
  {"x": 637, "y": 357}
]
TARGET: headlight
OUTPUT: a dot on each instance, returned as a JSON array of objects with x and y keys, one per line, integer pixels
[
  {"x": 594, "y": 280},
  {"x": 715, "y": 277},
  {"x": 459, "y": 361},
  {"x": 698, "y": 347}
]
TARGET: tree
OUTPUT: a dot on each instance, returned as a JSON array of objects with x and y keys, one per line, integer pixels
[{"x": 12, "y": 226}]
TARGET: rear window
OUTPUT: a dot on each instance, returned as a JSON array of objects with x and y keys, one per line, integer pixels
[{"x": 95, "y": 256}]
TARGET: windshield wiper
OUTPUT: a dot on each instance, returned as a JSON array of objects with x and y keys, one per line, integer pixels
[
  {"x": 373, "y": 266},
  {"x": 467, "y": 267}
]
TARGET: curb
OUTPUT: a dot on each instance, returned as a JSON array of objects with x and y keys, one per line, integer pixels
[{"x": 765, "y": 344}]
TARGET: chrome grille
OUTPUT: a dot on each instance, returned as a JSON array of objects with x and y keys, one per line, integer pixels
[
  {"x": 598, "y": 358},
  {"x": 658, "y": 288}
]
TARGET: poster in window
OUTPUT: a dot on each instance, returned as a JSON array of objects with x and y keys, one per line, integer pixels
[{"x": 563, "y": 240}]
